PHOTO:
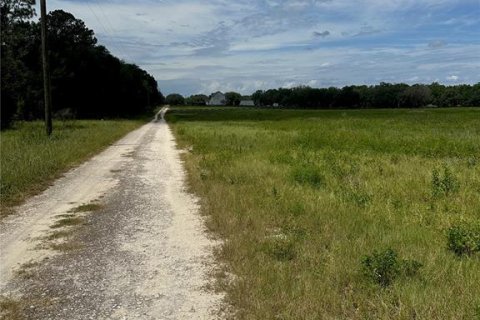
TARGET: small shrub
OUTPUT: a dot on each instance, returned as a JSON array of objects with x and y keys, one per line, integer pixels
[
  {"x": 384, "y": 267},
  {"x": 444, "y": 185},
  {"x": 381, "y": 267},
  {"x": 463, "y": 239}
]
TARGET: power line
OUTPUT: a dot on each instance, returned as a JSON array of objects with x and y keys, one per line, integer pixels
[
  {"x": 109, "y": 24},
  {"x": 120, "y": 49}
]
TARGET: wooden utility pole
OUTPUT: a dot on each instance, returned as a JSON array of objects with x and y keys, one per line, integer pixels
[{"x": 46, "y": 71}]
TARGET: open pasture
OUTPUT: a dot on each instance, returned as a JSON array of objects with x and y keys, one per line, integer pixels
[{"x": 308, "y": 204}]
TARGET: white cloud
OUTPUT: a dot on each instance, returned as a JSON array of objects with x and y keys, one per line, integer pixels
[
  {"x": 452, "y": 78},
  {"x": 245, "y": 45}
]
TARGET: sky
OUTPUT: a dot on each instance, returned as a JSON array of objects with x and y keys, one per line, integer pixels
[{"x": 201, "y": 46}]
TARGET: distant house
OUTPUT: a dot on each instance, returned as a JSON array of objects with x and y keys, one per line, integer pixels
[
  {"x": 247, "y": 103},
  {"x": 217, "y": 99}
]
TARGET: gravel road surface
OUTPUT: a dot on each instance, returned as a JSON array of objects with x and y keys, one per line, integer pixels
[{"x": 143, "y": 252}]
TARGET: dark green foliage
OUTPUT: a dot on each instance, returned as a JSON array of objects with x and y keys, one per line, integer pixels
[
  {"x": 196, "y": 100},
  {"x": 88, "y": 79},
  {"x": 416, "y": 96},
  {"x": 445, "y": 184},
  {"x": 464, "y": 239},
  {"x": 383, "y": 267},
  {"x": 15, "y": 39},
  {"x": 383, "y": 95},
  {"x": 175, "y": 99},
  {"x": 233, "y": 98},
  {"x": 308, "y": 175},
  {"x": 85, "y": 77}
]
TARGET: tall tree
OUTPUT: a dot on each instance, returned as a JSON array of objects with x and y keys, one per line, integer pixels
[
  {"x": 416, "y": 96},
  {"x": 87, "y": 78},
  {"x": 175, "y": 99},
  {"x": 233, "y": 98},
  {"x": 15, "y": 33},
  {"x": 196, "y": 100}
]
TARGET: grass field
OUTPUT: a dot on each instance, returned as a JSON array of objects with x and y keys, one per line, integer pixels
[
  {"x": 30, "y": 160},
  {"x": 300, "y": 198}
]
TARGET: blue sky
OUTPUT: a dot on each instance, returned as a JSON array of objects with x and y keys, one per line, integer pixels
[{"x": 245, "y": 45}]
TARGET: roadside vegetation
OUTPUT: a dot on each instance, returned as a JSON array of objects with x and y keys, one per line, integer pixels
[
  {"x": 345, "y": 214},
  {"x": 30, "y": 160}
]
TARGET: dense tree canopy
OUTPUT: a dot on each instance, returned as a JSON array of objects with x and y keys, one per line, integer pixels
[
  {"x": 197, "y": 100},
  {"x": 384, "y": 95},
  {"x": 175, "y": 99},
  {"x": 85, "y": 77},
  {"x": 15, "y": 37},
  {"x": 233, "y": 98}
]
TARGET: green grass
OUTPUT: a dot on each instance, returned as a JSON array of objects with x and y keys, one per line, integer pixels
[
  {"x": 30, "y": 160},
  {"x": 67, "y": 222},
  {"x": 86, "y": 207},
  {"x": 301, "y": 198}
]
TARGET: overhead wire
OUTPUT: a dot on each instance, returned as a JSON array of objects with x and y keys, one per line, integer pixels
[
  {"x": 109, "y": 23},
  {"x": 119, "y": 48}
]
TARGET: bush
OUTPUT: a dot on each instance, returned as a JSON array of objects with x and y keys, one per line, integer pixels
[
  {"x": 384, "y": 267},
  {"x": 464, "y": 239},
  {"x": 444, "y": 185},
  {"x": 175, "y": 99}
]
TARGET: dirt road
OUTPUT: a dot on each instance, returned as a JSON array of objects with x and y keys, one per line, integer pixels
[{"x": 141, "y": 254}]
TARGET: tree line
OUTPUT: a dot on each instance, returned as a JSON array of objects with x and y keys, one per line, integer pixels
[
  {"x": 383, "y": 95},
  {"x": 86, "y": 79},
  {"x": 231, "y": 99}
]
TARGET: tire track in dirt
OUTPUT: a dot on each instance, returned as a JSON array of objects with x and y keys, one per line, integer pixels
[{"x": 143, "y": 255}]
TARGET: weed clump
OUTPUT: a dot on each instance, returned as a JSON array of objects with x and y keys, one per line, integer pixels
[
  {"x": 383, "y": 267},
  {"x": 86, "y": 208},
  {"x": 444, "y": 185},
  {"x": 67, "y": 222},
  {"x": 307, "y": 175},
  {"x": 281, "y": 249},
  {"x": 464, "y": 239}
]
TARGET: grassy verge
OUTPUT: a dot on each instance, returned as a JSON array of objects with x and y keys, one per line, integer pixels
[
  {"x": 310, "y": 203},
  {"x": 30, "y": 160}
]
